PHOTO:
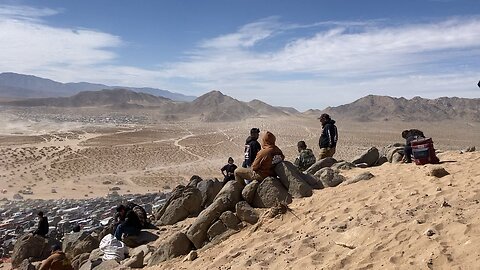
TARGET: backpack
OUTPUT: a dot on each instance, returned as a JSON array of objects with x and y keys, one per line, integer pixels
[{"x": 423, "y": 151}]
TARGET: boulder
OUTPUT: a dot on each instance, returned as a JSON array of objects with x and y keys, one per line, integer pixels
[
  {"x": 135, "y": 261},
  {"x": 209, "y": 189},
  {"x": 322, "y": 163},
  {"x": 194, "y": 180},
  {"x": 343, "y": 165},
  {"x": 381, "y": 160},
  {"x": 230, "y": 220},
  {"x": 226, "y": 199},
  {"x": 270, "y": 192},
  {"x": 397, "y": 158},
  {"x": 468, "y": 149},
  {"x": 329, "y": 177},
  {"x": 312, "y": 181},
  {"x": 184, "y": 202},
  {"x": 79, "y": 260},
  {"x": 369, "y": 157},
  {"x": 292, "y": 179},
  {"x": 394, "y": 153},
  {"x": 95, "y": 254},
  {"x": 85, "y": 245},
  {"x": 175, "y": 246},
  {"x": 26, "y": 265},
  {"x": 358, "y": 178},
  {"x": 246, "y": 213},
  {"x": 107, "y": 265},
  {"x": 145, "y": 237},
  {"x": 33, "y": 247},
  {"x": 71, "y": 239},
  {"x": 248, "y": 192},
  {"x": 438, "y": 172},
  {"x": 216, "y": 229}
]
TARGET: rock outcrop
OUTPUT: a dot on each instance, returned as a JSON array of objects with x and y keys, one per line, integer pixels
[
  {"x": 185, "y": 201},
  {"x": 270, "y": 192},
  {"x": 292, "y": 179}
]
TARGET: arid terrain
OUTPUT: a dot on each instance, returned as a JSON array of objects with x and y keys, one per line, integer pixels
[{"x": 77, "y": 153}]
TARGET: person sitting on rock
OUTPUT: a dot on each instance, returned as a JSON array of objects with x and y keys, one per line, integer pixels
[
  {"x": 42, "y": 227},
  {"x": 228, "y": 170},
  {"x": 128, "y": 222},
  {"x": 56, "y": 261},
  {"x": 305, "y": 158},
  {"x": 264, "y": 164},
  {"x": 409, "y": 135}
]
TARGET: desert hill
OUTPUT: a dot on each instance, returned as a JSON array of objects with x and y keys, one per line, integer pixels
[
  {"x": 115, "y": 97},
  {"x": 374, "y": 107},
  {"x": 402, "y": 218},
  {"x": 21, "y": 86},
  {"x": 265, "y": 109}
]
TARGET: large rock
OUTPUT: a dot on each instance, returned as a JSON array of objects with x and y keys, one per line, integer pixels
[
  {"x": 26, "y": 265},
  {"x": 226, "y": 199},
  {"x": 394, "y": 153},
  {"x": 184, "y": 202},
  {"x": 248, "y": 192},
  {"x": 107, "y": 265},
  {"x": 329, "y": 177},
  {"x": 438, "y": 172},
  {"x": 381, "y": 160},
  {"x": 292, "y": 179},
  {"x": 369, "y": 157},
  {"x": 30, "y": 246},
  {"x": 194, "y": 180},
  {"x": 85, "y": 245},
  {"x": 343, "y": 165},
  {"x": 79, "y": 260},
  {"x": 322, "y": 163},
  {"x": 209, "y": 189},
  {"x": 312, "y": 181},
  {"x": 145, "y": 237},
  {"x": 361, "y": 177},
  {"x": 216, "y": 229},
  {"x": 230, "y": 220},
  {"x": 175, "y": 246},
  {"x": 135, "y": 261},
  {"x": 269, "y": 193},
  {"x": 246, "y": 213}
]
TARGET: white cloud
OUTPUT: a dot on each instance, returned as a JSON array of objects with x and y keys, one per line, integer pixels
[{"x": 311, "y": 66}]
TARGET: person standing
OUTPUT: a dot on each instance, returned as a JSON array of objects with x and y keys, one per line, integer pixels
[
  {"x": 252, "y": 146},
  {"x": 305, "y": 158},
  {"x": 264, "y": 163},
  {"x": 328, "y": 138},
  {"x": 228, "y": 171},
  {"x": 42, "y": 227}
]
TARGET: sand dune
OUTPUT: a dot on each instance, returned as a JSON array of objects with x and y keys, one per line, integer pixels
[{"x": 381, "y": 223}]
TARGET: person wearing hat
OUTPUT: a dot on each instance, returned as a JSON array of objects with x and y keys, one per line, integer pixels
[
  {"x": 57, "y": 260},
  {"x": 252, "y": 146},
  {"x": 328, "y": 138}
]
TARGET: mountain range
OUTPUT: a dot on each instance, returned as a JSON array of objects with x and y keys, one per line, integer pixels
[
  {"x": 215, "y": 106},
  {"x": 20, "y": 86}
]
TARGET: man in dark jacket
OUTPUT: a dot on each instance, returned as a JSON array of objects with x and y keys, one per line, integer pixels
[
  {"x": 42, "y": 228},
  {"x": 409, "y": 135},
  {"x": 128, "y": 222},
  {"x": 329, "y": 137},
  {"x": 252, "y": 146}
]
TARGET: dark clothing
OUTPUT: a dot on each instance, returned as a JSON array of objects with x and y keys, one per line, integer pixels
[
  {"x": 57, "y": 261},
  {"x": 252, "y": 146},
  {"x": 412, "y": 135},
  {"x": 329, "y": 136},
  {"x": 229, "y": 169},
  {"x": 140, "y": 212},
  {"x": 123, "y": 228},
  {"x": 42, "y": 228}
]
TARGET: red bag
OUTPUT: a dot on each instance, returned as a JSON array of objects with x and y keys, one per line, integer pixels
[{"x": 423, "y": 151}]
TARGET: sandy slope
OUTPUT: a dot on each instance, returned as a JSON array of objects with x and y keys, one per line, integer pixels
[{"x": 375, "y": 224}]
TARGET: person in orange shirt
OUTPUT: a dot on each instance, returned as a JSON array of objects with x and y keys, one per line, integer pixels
[
  {"x": 57, "y": 260},
  {"x": 264, "y": 163}
]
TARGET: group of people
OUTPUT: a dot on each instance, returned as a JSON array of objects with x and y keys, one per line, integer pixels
[{"x": 261, "y": 159}]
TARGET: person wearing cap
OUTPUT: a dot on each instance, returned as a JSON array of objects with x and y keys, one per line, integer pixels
[
  {"x": 57, "y": 260},
  {"x": 305, "y": 158},
  {"x": 264, "y": 163},
  {"x": 328, "y": 138},
  {"x": 252, "y": 147}
]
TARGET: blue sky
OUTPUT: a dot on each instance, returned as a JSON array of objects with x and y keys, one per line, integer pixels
[{"x": 305, "y": 54}]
